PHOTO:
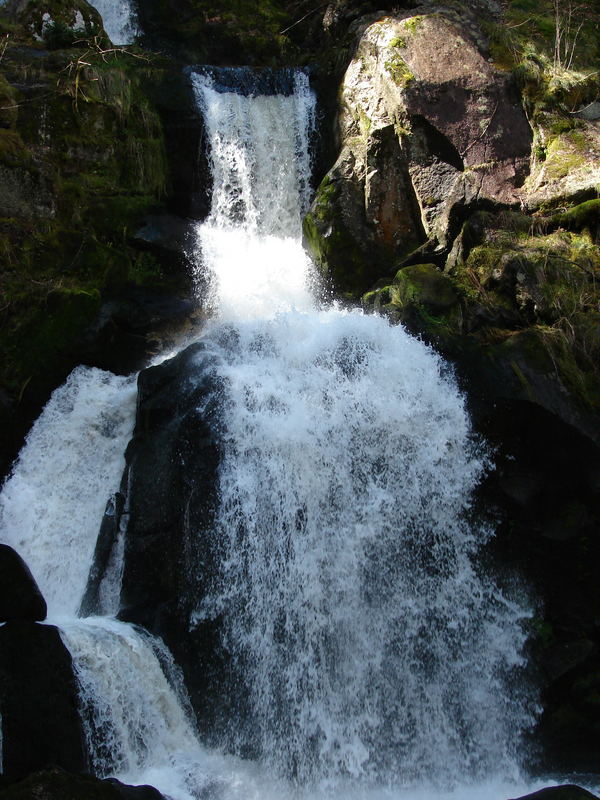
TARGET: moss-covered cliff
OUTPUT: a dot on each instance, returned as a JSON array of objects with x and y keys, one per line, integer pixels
[{"x": 83, "y": 159}]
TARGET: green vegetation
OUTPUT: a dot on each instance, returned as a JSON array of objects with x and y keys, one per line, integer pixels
[
  {"x": 81, "y": 162},
  {"x": 413, "y": 24},
  {"x": 208, "y": 32},
  {"x": 544, "y": 284},
  {"x": 399, "y": 70},
  {"x": 549, "y": 45}
]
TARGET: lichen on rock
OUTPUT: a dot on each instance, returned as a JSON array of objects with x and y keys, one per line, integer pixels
[{"x": 427, "y": 133}]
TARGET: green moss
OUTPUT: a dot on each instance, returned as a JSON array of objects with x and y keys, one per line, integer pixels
[
  {"x": 424, "y": 285},
  {"x": 145, "y": 270},
  {"x": 524, "y": 42},
  {"x": 57, "y": 35},
  {"x": 565, "y": 154},
  {"x": 13, "y": 151},
  {"x": 543, "y": 632},
  {"x": 325, "y": 196},
  {"x": 209, "y": 32},
  {"x": 8, "y": 98},
  {"x": 399, "y": 70},
  {"x": 413, "y": 24},
  {"x": 578, "y": 217}
]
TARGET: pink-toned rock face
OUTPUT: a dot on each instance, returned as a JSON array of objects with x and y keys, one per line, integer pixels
[{"x": 459, "y": 125}]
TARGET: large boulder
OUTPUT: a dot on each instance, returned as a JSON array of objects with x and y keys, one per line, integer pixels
[
  {"x": 58, "y": 22},
  {"x": 20, "y": 597},
  {"x": 56, "y": 784},
  {"x": 428, "y": 127},
  {"x": 41, "y": 726},
  {"x": 565, "y": 792},
  {"x": 170, "y": 490}
]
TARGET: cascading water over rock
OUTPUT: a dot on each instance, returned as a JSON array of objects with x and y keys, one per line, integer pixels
[
  {"x": 368, "y": 654},
  {"x": 363, "y": 635},
  {"x": 71, "y": 463},
  {"x": 118, "y": 19}
]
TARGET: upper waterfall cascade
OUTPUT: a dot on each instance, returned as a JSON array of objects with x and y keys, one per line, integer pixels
[
  {"x": 119, "y": 20},
  {"x": 377, "y": 658}
]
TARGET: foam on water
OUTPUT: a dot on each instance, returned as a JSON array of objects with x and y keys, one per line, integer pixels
[{"x": 368, "y": 641}]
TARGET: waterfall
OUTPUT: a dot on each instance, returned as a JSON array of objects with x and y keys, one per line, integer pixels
[
  {"x": 118, "y": 19},
  {"x": 367, "y": 639},
  {"x": 260, "y": 164},
  {"x": 72, "y": 462},
  {"x": 376, "y": 657}
]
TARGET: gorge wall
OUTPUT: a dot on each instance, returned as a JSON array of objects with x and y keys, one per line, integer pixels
[{"x": 456, "y": 192}]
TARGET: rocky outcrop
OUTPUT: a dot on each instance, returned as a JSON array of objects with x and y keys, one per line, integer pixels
[
  {"x": 566, "y": 792},
  {"x": 85, "y": 135},
  {"x": 20, "y": 597},
  {"x": 57, "y": 784},
  {"x": 57, "y": 22},
  {"x": 565, "y": 163},
  {"x": 38, "y": 695},
  {"x": 170, "y": 499},
  {"x": 428, "y": 129}
]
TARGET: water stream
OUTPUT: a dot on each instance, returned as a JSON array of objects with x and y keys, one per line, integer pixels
[
  {"x": 118, "y": 19},
  {"x": 378, "y": 657}
]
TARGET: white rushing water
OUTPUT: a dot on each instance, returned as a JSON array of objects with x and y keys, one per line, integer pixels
[
  {"x": 377, "y": 659},
  {"x": 369, "y": 644},
  {"x": 52, "y": 504},
  {"x": 118, "y": 19},
  {"x": 259, "y": 155}
]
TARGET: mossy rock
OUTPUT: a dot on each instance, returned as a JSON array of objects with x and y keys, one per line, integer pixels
[
  {"x": 222, "y": 32},
  {"x": 583, "y": 215},
  {"x": 333, "y": 247},
  {"x": 424, "y": 285},
  {"x": 82, "y": 167},
  {"x": 423, "y": 299},
  {"x": 68, "y": 313},
  {"x": 24, "y": 193},
  {"x": 8, "y": 108},
  {"x": 13, "y": 151},
  {"x": 60, "y": 23},
  {"x": 567, "y": 165},
  {"x": 539, "y": 366}
]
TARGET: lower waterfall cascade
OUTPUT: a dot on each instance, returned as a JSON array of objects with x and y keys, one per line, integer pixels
[{"x": 378, "y": 658}]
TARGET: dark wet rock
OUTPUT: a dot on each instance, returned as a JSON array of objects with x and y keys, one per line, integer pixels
[
  {"x": 104, "y": 552},
  {"x": 566, "y": 792},
  {"x": 562, "y": 658},
  {"x": 25, "y": 193},
  {"x": 20, "y": 597},
  {"x": 166, "y": 232},
  {"x": 38, "y": 696},
  {"x": 171, "y": 483},
  {"x": 56, "y": 784}
]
